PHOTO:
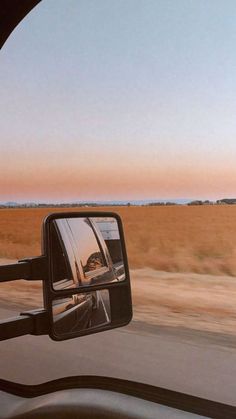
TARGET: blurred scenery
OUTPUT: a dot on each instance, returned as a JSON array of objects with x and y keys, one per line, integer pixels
[
  {"x": 182, "y": 262},
  {"x": 129, "y": 105}
]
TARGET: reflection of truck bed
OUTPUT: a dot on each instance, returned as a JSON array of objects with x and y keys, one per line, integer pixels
[
  {"x": 109, "y": 230},
  {"x": 114, "y": 250}
]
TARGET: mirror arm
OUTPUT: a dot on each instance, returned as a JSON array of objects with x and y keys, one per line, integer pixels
[
  {"x": 33, "y": 322},
  {"x": 33, "y": 269}
]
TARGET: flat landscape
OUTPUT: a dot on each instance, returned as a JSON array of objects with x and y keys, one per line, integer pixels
[
  {"x": 184, "y": 291},
  {"x": 200, "y": 239},
  {"x": 182, "y": 261}
]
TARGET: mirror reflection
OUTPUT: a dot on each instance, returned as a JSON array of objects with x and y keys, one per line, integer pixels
[
  {"x": 86, "y": 251},
  {"x": 81, "y": 312}
]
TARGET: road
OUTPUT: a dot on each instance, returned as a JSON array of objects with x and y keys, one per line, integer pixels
[{"x": 200, "y": 364}]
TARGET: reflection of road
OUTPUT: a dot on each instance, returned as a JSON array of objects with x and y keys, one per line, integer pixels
[
  {"x": 193, "y": 363},
  {"x": 102, "y": 313},
  {"x": 70, "y": 315},
  {"x": 81, "y": 312}
]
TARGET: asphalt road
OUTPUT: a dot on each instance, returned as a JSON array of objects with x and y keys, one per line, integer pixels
[{"x": 195, "y": 363}]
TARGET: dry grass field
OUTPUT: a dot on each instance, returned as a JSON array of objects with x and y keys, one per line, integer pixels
[
  {"x": 182, "y": 260},
  {"x": 182, "y": 238},
  {"x": 199, "y": 239}
]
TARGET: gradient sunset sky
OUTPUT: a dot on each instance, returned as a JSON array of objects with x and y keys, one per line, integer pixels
[{"x": 119, "y": 99}]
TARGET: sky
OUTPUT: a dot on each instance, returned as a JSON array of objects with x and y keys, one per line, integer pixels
[{"x": 121, "y": 99}]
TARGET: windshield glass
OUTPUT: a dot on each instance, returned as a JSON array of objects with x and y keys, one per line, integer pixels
[{"x": 127, "y": 106}]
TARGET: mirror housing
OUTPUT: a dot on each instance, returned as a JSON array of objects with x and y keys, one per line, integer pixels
[
  {"x": 84, "y": 269},
  {"x": 92, "y": 282}
]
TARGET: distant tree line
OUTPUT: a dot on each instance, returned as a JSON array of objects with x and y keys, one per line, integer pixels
[
  {"x": 157, "y": 204},
  {"x": 225, "y": 201},
  {"x": 198, "y": 202},
  {"x": 228, "y": 201},
  {"x": 65, "y": 205}
]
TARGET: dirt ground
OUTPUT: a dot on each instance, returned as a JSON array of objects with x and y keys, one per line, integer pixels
[
  {"x": 163, "y": 244},
  {"x": 194, "y": 301}
]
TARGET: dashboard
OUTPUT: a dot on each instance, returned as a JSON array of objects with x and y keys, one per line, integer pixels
[
  {"x": 86, "y": 397},
  {"x": 85, "y": 404}
]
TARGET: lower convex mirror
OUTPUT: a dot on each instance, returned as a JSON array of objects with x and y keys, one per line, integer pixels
[
  {"x": 81, "y": 312},
  {"x": 88, "y": 287}
]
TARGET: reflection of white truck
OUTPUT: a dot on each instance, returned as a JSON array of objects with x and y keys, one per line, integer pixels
[{"x": 110, "y": 232}]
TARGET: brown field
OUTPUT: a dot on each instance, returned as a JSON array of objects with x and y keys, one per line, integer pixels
[
  {"x": 174, "y": 254},
  {"x": 172, "y": 239}
]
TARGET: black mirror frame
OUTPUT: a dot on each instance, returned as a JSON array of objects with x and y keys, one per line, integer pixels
[{"x": 119, "y": 293}]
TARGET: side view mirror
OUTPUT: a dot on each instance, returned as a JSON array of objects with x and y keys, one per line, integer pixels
[{"x": 85, "y": 275}]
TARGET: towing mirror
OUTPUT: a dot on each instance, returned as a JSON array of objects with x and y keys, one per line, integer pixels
[
  {"x": 88, "y": 284},
  {"x": 85, "y": 277}
]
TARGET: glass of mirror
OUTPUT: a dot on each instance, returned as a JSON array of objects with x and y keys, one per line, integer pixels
[
  {"x": 86, "y": 251},
  {"x": 81, "y": 312}
]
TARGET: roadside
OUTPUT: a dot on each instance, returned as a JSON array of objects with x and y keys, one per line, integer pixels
[
  {"x": 172, "y": 302},
  {"x": 188, "y": 300}
]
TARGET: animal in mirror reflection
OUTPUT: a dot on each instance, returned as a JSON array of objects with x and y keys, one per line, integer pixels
[{"x": 86, "y": 251}]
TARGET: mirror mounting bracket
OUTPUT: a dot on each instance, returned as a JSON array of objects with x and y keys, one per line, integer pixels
[
  {"x": 39, "y": 318},
  {"x": 38, "y": 268},
  {"x": 33, "y": 322},
  {"x": 33, "y": 269}
]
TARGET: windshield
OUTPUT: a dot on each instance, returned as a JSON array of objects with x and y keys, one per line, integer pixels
[{"x": 128, "y": 106}]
